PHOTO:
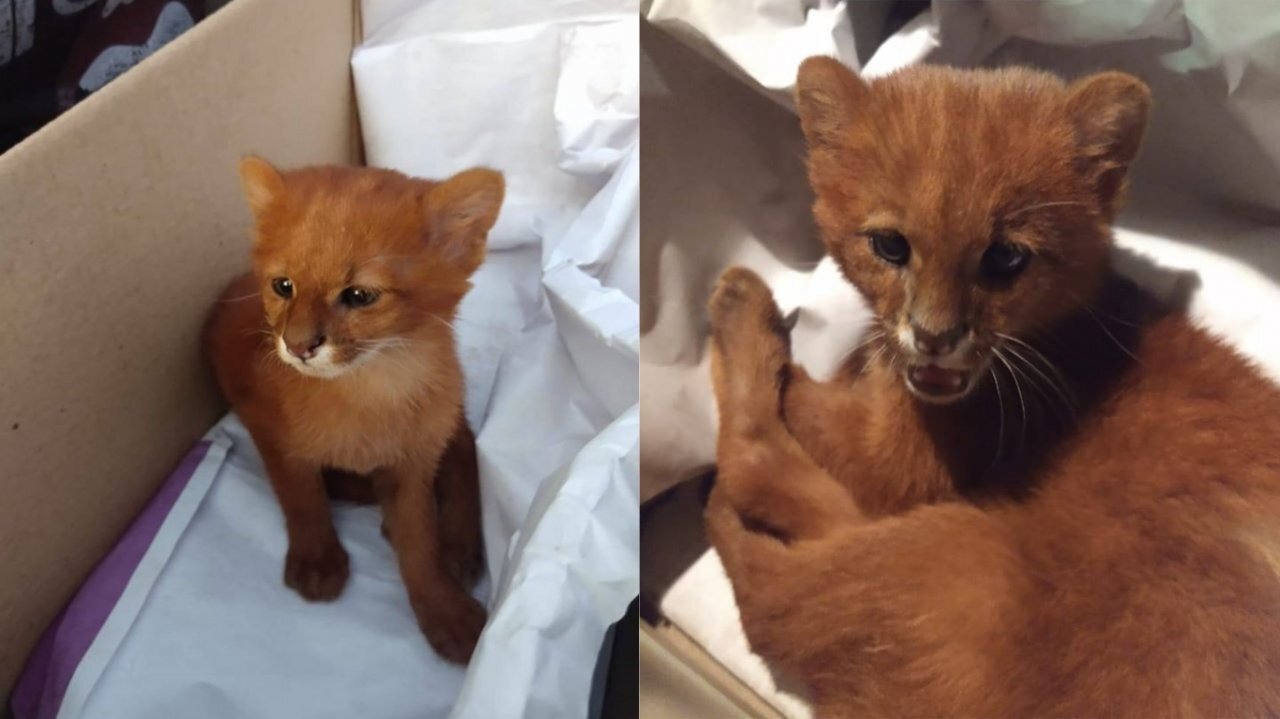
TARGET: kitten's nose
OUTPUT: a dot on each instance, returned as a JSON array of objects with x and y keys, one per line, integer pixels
[
  {"x": 306, "y": 350},
  {"x": 936, "y": 343}
]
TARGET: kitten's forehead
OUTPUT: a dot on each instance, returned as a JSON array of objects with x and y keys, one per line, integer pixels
[
  {"x": 954, "y": 149},
  {"x": 986, "y": 125},
  {"x": 947, "y": 97},
  {"x": 328, "y": 263},
  {"x": 334, "y": 230}
]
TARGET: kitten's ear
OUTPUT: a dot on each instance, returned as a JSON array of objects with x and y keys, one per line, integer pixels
[
  {"x": 461, "y": 211},
  {"x": 262, "y": 182},
  {"x": 1109, "y": 111},
  {"x": 829, "y": 97}
]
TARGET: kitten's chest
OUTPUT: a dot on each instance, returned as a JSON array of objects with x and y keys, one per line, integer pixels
[{"x": 364, "y": 427}]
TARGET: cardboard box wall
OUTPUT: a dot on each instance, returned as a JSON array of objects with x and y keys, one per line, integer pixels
[{"x": 120, "y": 222}]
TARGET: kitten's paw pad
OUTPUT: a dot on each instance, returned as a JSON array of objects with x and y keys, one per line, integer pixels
[
  {"x": 742, "y": 300},
  {"x": 750, "y": 344},
  {"x": 454, "y": 629},
  {"x": 744, "y": 317},
  {"x": 317, "y": 573}
]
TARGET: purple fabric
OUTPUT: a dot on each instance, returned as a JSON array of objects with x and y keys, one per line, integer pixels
[{"x": 38, "y": 694}]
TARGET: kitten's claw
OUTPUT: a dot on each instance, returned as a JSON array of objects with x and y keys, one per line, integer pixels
[{"x": 319, "y": 572}]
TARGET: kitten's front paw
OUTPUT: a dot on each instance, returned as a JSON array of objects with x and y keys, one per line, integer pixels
[
  {"x": 742, "y": 302},
  {"x": 751, "y": 346},
  {"x": 453, "y": 627},
  {"x": 318, "y": 572}
]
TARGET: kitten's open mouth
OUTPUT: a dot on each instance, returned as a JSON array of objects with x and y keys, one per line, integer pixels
[{"x": 937, "y": 384}]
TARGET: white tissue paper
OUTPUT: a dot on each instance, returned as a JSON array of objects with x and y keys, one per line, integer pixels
[{"x": 549, "y": 96}]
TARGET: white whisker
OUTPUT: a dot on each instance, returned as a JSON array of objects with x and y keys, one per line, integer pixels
[
  {"x": 1051, "y": 399},
  {"x": 1080, "y": 301},
  {"x": 1108, "y": 332},
  {"x": 872, "y": 359},
  {"x": 1022, "y": 402},
  {"x": 1060, "y": 203},
  {"x": 1060, "y": 387},
  {"x": 1000, "y": 403},
  {"x": 868, "y": 339}
]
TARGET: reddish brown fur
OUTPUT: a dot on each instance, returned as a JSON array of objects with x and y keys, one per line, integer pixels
[
  {"x": 389, "y": 426},
  {"x": 900, "y": 559}
]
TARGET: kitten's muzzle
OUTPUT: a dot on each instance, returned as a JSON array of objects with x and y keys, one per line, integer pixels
[
  {"x": 937, "y": 344},
  {"x": 305, "y": 349},
  {"x": 940, "y": 365}
]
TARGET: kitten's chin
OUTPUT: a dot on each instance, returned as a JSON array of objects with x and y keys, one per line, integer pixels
[
  {"x": 318, "y": 370},
  {"x": 938, "y": 385},
  {"x": 325, "y": 372},
  {"x": 323, "y": 365}
]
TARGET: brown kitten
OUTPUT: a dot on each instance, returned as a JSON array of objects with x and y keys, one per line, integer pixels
[
  {"x": 1037, "y": 494},
  {"x": 338, "y": 354}
]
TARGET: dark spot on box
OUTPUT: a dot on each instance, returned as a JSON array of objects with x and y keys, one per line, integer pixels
[{"x": 15, "y": 425}]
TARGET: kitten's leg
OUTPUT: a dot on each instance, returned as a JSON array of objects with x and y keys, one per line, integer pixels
[
  {"x": 763, "y": 471},
  {"x": 457, "y": 488},
  {"x": 767, "y": 580},
  {"x": 842, "y": 427},
  {"x": 458, "y": 497},
  {"x": 450, "y": 618},
  {"x": 819, "y": 415},
  {"x": 316, "y": 565},
  {"x": 918, "y": 615}
]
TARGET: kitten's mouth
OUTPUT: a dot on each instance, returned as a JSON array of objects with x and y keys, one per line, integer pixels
[{"x": 936, "y": 384}]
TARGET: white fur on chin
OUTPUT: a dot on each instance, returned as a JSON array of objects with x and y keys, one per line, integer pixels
[{"x": 321, "y": 366}]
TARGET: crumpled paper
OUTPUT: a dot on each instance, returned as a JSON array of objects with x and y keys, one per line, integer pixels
[{"x": 548, "y": 95}]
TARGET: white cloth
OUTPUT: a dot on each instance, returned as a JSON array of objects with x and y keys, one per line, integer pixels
[{"x": 219, "y": 635}]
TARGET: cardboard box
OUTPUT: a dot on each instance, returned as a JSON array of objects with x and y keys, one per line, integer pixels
[
  {"x": 678, "y": 678},
  {"x": 119, "y": 224}
]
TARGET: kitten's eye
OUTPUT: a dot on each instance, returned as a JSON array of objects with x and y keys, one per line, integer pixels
[
  {"x": 282, "y": 286},
  {"x": 357, "y": 297},
  {"x": 891, "y": 246},
  {"x": 1003, "y": 260}
]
